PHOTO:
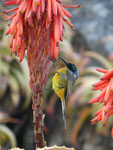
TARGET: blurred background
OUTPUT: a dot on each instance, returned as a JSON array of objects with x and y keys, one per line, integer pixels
[{"x": 89, "y": 46}]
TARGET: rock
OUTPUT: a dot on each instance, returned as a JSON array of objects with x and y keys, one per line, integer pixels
[{"x": 93, "y": 22}]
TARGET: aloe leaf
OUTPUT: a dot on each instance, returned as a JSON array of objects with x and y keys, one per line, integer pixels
[
  {"x": 15, "y": 93},
  {"x": 100, "y": 58},
  {"x": 9, "y": 134}
]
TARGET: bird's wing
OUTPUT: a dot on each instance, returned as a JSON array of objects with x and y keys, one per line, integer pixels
[
  {"x": 62, "y": 75},
  {"x": 61, "y": 80},
  {"x": 71, "y": 78}
]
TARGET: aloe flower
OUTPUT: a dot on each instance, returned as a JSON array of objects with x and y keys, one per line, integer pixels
[
  {"x": 37, "y": 27},
  {"x": 105, "y": 97}
]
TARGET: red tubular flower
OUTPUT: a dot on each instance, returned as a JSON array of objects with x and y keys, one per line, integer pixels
[
  {"x": 37, "y": 26},
  {"x": 105, "y": 97},
  {"x": 26, "y": 10},
  {"x": 112, "y": 132}
]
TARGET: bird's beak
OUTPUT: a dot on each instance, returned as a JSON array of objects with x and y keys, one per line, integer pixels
[{"x": 63, "y": 60}]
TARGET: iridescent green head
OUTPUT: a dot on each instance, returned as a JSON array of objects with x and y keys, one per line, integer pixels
[{"x": 70, "y": 66}]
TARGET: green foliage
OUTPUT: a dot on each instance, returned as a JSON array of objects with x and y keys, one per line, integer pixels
[
  {"x": 14, "y": 87},
  {"x": 7, "y": 134}
]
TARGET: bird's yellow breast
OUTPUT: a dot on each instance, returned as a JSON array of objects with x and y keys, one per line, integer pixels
[{"x": 59, "y": 82}]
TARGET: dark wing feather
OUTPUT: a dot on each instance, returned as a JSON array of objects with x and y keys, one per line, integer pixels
[{"x": 71, "y": 78}]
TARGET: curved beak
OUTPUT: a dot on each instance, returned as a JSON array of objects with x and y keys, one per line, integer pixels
[{"x": 63, "y": 60}]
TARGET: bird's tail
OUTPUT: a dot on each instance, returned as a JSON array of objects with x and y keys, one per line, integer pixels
[{"x": 64, "y": 113}]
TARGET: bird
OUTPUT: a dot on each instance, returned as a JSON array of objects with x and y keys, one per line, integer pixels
[{"x": 63, "y": 82}]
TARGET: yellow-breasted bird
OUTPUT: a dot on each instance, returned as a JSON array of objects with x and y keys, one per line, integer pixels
[{"x": 63, "y": 82}]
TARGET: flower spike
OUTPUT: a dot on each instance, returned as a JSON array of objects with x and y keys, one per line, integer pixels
[
  {"x": 56, "y": 14},
  {"x": 105, "y": 97}
]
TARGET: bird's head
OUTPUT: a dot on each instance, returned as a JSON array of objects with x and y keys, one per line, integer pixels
[{"x": 70, "y": 66}]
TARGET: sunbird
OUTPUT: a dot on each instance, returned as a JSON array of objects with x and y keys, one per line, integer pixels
[{"x": 63, "y": 82}]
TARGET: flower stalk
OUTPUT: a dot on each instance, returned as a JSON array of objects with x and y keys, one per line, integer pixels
[{"x": 38, "y": 61}]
